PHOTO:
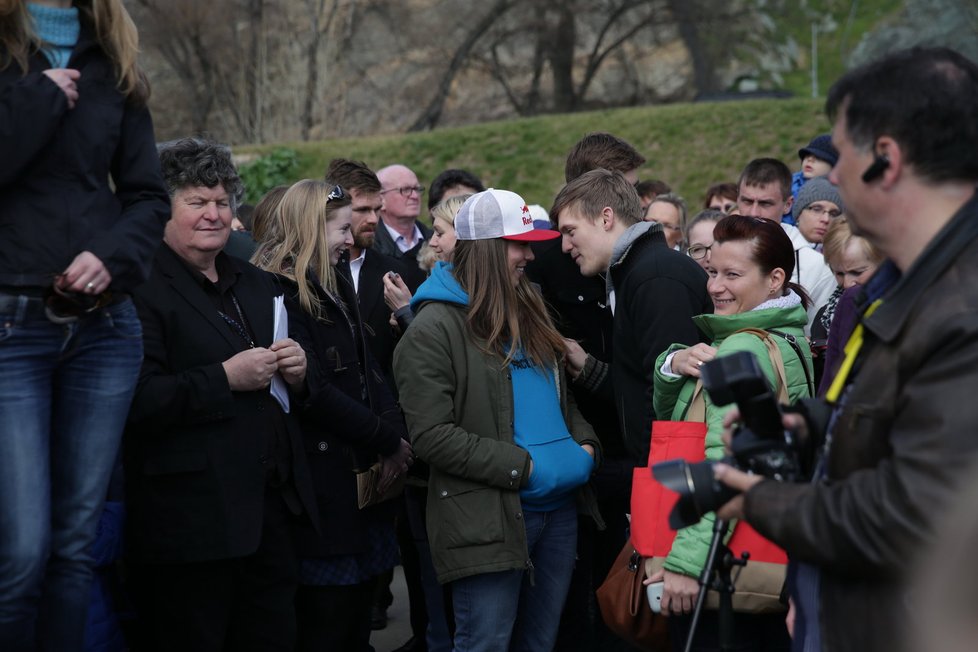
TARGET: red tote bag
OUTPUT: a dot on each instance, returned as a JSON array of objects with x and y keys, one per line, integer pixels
[{"x": 759, "y": 584}]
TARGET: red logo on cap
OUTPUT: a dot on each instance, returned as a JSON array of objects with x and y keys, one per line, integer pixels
[{"x": 526, "y": 215}]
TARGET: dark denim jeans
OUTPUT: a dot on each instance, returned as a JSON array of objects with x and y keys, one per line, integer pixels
[
  {"x": 65, "y": 391},
  {"x": 496, "y": 612}
]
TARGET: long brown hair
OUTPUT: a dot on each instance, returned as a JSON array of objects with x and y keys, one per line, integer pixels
[
  {"x": 508, "y": 318},
  {"x": 114, "y": 30}
]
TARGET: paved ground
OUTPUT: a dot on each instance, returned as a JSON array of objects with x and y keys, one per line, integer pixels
[{"x": 398, "y": 629}]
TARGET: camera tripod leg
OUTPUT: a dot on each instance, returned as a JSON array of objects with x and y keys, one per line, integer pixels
[{"x": 716, "y": 575}]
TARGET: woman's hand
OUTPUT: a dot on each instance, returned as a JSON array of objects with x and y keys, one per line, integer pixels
[
  {"x": 86, "y": 274},
  {"x": 679, "y": 592},
  {"x": 66, "y": 79},
  {"x": 396, "y": 293},
  {"x": 392, "y": 466},
  {"x": 588, "y": 448},
  {"x": 576, "y": 357},
  {"x": 687, "y": 362}
]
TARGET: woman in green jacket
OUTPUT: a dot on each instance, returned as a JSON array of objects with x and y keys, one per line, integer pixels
[
  {"x": 750, "y": 264},
  {"x": 482, "y": 387}
]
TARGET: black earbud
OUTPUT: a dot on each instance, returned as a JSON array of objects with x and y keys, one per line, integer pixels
[{"x": 874, "y": 171}]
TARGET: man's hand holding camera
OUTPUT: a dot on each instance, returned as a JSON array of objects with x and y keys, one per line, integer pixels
[{"x": 737, "y": 479}]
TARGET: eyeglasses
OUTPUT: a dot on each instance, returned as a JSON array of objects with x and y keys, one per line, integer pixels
[
  {"x": 698, "y": 251},
  {"x": 406, "y": 190},
  {"x": 821, "y": 210},
  {"x": 335, "y": 193}
]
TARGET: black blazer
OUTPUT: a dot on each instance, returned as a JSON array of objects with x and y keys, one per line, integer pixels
[
  {"x": 348, "y": 419},
  {"x": 193, "y": 458},
  {"x": 384, "y": 244},
  {"x": 374, "y": 311}
]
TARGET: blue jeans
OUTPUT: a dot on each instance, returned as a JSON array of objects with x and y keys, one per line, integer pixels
[
  {"x": 65, "y": 391},
  {"x": 509, "y": 610}
]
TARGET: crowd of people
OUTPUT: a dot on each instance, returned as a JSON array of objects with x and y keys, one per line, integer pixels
[{"x": 222, "y": 427}]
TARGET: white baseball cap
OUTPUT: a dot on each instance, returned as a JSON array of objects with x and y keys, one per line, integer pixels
[{"x": 498, "y": 214}]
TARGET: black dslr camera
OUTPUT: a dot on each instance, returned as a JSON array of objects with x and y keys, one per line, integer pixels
[{"x": 760, "y": 445}]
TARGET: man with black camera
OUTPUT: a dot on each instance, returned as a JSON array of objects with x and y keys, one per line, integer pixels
[{"x": 898, "y": 424}]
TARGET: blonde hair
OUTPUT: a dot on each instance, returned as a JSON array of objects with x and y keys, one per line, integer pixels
[
  {"x": 114, "y": 30},
  {"x": 508, "y": 318},
  {"x": 299, "y": 244},
  {"x": 448, "y": 208},
  {"x": 837, "y": 239},
  {"x": 427, "y": 257}
]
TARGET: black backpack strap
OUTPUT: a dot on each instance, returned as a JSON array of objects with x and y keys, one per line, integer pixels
[{"x": 793, "y": 343}]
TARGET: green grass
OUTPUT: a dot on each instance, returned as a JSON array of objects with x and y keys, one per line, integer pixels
[{"x": 690, "y": 146}]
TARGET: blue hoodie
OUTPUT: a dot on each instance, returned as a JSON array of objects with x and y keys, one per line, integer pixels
[{"x": 560, "y": 465}]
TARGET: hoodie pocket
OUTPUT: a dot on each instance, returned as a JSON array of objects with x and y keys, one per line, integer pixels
[{"x": 559, "y": 466}]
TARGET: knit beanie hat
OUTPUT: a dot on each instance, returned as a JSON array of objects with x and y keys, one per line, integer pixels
[{"x": 817, "y": 189}]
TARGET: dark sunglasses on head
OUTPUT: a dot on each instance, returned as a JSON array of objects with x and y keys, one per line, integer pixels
[{"x": 335, "y": 194}]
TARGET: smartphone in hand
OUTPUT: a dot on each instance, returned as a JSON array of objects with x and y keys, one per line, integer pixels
[{"x": 654, "y": 592}]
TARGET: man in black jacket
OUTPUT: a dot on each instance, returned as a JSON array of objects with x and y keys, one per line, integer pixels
[
  {"x": 651, "y": 293},
  {"x": 652, "y": 290}
]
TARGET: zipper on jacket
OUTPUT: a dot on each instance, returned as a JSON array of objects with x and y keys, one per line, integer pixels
[{"x": 531, "y": 570}]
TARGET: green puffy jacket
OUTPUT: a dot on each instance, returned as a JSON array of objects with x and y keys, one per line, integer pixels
[
  {"x": 673, "y": 394},
  {"x": 458, "y": 402}
]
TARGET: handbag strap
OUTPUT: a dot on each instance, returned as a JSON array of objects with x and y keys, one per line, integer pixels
[
  {"x": 774, "y": 352},
  {"x": 696, "y": 411}
]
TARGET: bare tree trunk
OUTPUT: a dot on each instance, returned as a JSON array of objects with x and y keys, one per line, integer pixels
[
  {"x": 315, "y": 10},
  {"x": 685, "y": 12},
  {"x": 253, "y": 80},
  {"x": 432, "y": 113},
  {"x": 563, "y": 40}
]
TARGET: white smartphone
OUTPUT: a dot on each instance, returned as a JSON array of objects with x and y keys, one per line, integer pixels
[{"x": 654, "y": 592}]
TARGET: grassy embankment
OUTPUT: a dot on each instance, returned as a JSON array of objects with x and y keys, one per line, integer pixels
[{"x": 689, "y": 146}]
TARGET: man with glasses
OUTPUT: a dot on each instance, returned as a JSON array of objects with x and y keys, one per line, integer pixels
[{"x": 402, "y": 234}]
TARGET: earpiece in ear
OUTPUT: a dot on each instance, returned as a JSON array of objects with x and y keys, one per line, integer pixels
[{"x": 876, "y": 169}]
